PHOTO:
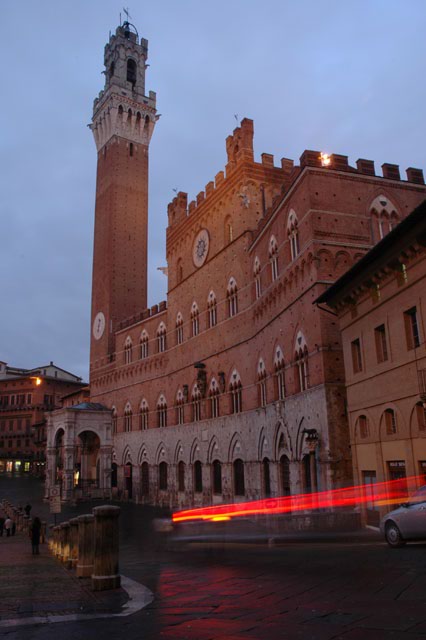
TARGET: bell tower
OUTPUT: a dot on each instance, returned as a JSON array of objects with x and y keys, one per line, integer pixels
[{"x": 122, "y": 124}]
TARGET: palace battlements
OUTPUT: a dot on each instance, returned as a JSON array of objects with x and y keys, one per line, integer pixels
[{"x": 239, "y": 148}]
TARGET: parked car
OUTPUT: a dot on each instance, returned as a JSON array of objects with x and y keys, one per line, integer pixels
[{"x": 408, "y": 522}]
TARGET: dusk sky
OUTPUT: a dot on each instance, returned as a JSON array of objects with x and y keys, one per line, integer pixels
[{"x": 341, "y": 77}]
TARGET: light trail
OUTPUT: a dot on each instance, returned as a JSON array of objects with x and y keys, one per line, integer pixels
[{"x": 381, "y": 493}]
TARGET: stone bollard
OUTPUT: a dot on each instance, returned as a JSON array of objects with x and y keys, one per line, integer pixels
[
  {"x": 25, "y": 524},
  {"x": 86, "y": 529},
  {"x": 73, "y": 543},
  {"x": 43, "y": 532},
  {"x": 105, "y": 565},
  {"x": 65, "y": 532}
]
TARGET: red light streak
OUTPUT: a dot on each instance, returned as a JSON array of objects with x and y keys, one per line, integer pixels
[{"x": 389, "y": 492}]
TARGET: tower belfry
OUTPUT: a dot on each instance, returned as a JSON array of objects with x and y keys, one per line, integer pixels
[{"x": 122, "y": 124}]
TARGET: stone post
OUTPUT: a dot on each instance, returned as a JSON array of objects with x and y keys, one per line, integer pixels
[
  {"x": 105, "y": 566},
  {"x": 65, "y": 531},
  {"x": 86, "y": 527},
  {"x": 73, "y": 539}
]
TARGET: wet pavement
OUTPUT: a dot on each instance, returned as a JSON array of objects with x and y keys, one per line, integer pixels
[{"x": 312, "y": 590}]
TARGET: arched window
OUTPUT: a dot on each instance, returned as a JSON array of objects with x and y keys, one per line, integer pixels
[
  {"x": 198, "y": 477},
  {"x": 131, "y": 71},
  {"x": 145, "y": 479},
  {"x": 128, "y": 350},
  {"x": 257, "y": 278},
  {"x": 162, "y": 411},
  {"x": 114, "y": 420},
  {"x": 128, "y": 416},
  {"x": 143, "y": 344},
  {"x": 162, "y": 476},
  {"x": 180, "y": 407},
  {"x": 195, "y": 320},
  {"x": 279, "y": 367},
  {"x": 214, "y": 398},
  {"x": 232, "y": 298},
  {"x": 229, "y": 233},
  {"x": 238, "y": 472},
  {"x": 161, "y": 338},
  {"x": 285, "y": 475},
  {"x": 293, "y": 234},
  {"x": 235, "y": 388},
  {"x": 266, "y": 478},
  {"x": 273, "y": 257},
  {"x": 384, "y": 216},
  {"x": 181, "y": 476},
  {"x": 302, "y": 365},
  {"x": 212, "y": 309},
  {"x": 363, "y": 427},
  {"x": 261, "y": 383},
  {"x": 217, "y": 477},
  {"x": 421, "y": 416},
  {"x": 196, "y": 404},
  {"x": 179, "y": 328},
  {"x": 143, "y": 415},
  {"x": 390, "y": 422},
  {"x": 179, "y": 270}
]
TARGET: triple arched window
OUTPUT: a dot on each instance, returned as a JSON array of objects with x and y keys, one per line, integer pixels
[
  {"x": 236, "y": 392},
  {"x": 161, "y": 338},
  {"x": 196, "y": 403},
  {"x": 143, "y": 415},
  {"x": 179, "y": 328},
  {"x": 302, "y": 363},
  {"x": 261, "y": 382},
  {"x": 212, "y": 309},
  {"x": 128, "y": 350},
  {"x": 128, "y": 416},
  {"x": 195, "y": 320},
  {"x": 279, "y": 366},
  {"x": 180, "y": 407},
  {"x": 143, "y": 344},
  {"x": 293, "y": 234},
  {"x": 273, "y": 257},
  {"x": 214, "y": 398},
  {"x": 162, "y": 411},
  {"x": 257, "y": 278}
]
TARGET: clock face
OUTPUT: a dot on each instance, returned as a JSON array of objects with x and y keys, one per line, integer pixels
[
  {"x": 99, "y": 325},
  {"x": 200, "y": 249}
]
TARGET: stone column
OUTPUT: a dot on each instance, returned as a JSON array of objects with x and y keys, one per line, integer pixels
[
  {"x": 136, "y": 480},
  {"x": 50, "y": 471},
  {"x": 86, "y": 527},
  {"x": 105, "y": 566},
  {"x": 105, "y": 469},
  {"x": 73, "y": 539},
  {"x": 68, "y": 477}
]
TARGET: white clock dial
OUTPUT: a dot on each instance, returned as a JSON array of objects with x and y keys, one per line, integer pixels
[
  {"x": 98, "y": 325},
  {"x": 200, "y": 249}
]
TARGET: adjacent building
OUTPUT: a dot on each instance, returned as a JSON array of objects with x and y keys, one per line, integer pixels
[
  {"x": 381, "y": 306},
  {"x": 26, "y": 395}
]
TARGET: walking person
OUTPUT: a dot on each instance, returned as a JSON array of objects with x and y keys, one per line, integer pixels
[
  {"x": 35, "y": 531},
  {"x": 8, "y": 526}
]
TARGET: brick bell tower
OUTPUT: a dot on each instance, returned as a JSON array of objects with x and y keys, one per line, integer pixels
[{"x": 122, "y": 124}]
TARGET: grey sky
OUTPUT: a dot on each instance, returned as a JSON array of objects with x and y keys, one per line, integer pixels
[{"x": 343, "y": 77}]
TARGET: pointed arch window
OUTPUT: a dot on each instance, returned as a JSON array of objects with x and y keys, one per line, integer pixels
[
  {"x": 143, "y": 415},
  {"x": 217, "y": 477},
  {"x": 128, "y": 417},
  {"x": 261, "y": 383},
  {"x": 285, "y": 475},
  {"x": 196, "y": 404},
  {"x": 232, "y": 298},
  {"x": 179, "y": 328},
  {"x": 238, "y": 472},
  {"x": 279, "y": 366},
  {"x": 293, "y": 234},
  {"x": 212, "y": 309},
  {"x": 162, "y": 412},
  {"x": 143, "y": 345},
  {"x": 128, "y": 350},
  {"x": 236, "y": 390},
  {"x": 214, "y": 399},
  {"x": 162, "y": 476},
  {"x": 273, "y": 258},
  {"x": 180, "y": 407},
  {"x": 195, "y": 320},
  {"x": 161, "y": 338},
  {"x": 198, "y": 477},
  {"x": 257, "y": 278}
]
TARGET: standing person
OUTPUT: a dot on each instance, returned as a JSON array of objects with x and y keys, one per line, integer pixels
[
  {"x": 35, "y": 535},
  {"x": 8, "y": 526},
  {"x": 28, "y": 510}
]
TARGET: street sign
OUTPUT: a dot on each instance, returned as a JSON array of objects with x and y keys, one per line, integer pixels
[
  {"x": 55, "y": 491},
  {"x": 55, "y": 504}
]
